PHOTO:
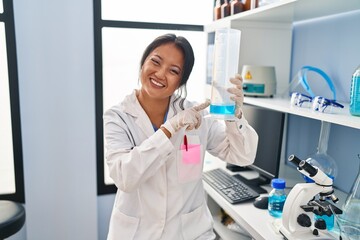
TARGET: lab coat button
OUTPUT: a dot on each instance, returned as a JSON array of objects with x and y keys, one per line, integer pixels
[{"x": 240, "y": 127}]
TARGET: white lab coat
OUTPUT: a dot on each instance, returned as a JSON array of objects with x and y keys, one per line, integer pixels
[{"x": 160, "y": 197}]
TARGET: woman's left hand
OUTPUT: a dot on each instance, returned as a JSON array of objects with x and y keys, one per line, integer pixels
[{"x": 238, "y": 96}]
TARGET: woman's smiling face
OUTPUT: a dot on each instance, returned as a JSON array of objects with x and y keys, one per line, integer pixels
[{"x": 162, "y": 71}]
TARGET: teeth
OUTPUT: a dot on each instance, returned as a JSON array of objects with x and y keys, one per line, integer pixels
[{"x": 157, "y": 83}]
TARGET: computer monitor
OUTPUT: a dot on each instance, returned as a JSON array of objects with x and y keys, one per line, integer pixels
[{"x": 269, "y": 126}]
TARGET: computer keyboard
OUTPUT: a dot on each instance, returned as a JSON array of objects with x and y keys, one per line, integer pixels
[{"x": 230, "y": 187}]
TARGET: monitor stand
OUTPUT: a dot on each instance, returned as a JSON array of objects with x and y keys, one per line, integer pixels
[{"x": 253, "y": 183}]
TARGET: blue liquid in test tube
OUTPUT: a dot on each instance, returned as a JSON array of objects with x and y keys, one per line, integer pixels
[{"x": 222, "y": 109}]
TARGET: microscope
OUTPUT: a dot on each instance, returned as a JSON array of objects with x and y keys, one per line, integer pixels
[{"x": 305, "y": 200}]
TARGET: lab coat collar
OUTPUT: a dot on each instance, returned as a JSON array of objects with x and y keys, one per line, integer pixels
[{"x": 131, "y": 106}]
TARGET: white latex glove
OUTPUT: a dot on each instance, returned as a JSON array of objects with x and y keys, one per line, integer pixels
[
  {"x": 189, "y": 118},
  {"x": 238, "y": 96}
]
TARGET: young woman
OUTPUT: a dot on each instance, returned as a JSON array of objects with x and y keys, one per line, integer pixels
[{"x": 158, "y": 170}]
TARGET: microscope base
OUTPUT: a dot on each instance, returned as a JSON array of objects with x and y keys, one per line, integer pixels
[{"x": 308, "y": 235}]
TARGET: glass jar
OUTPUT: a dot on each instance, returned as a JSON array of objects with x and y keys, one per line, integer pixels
[
  {"x": 277, "y": 197},
  {"x": 251, "y": 4},
  {"x": 236, "y": 6},
  {"x": 225, "y": 9},
  {"x": 217, "y": 10}
]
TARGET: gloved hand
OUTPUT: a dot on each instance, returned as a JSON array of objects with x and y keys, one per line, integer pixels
[
  {"x": 189, "y": 118},
  {"x": 238, "y": 96}
]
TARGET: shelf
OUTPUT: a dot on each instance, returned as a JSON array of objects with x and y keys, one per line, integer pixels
[
  {"x": 226, "y": 233},
  {"x": 339, "y": 116},
  {"x": 289, "y": 11}
]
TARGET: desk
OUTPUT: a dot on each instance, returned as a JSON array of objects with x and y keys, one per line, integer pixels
[{"x": 257, "y": 222}]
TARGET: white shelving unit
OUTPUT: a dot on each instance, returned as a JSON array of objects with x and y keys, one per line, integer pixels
[
  {"x": 340, "y": 116},
  {"x": 292, "y": 11},
  {"x": 267, "y": 40}
]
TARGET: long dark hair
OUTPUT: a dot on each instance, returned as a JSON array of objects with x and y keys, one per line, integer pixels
[{"x": 189, "y": 59}]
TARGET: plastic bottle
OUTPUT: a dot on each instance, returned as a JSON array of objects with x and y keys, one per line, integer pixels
[
  {"x": 355, "y": 93},
  {"x": 277, "y": 197}
]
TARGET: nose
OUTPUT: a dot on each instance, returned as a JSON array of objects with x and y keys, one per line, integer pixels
[{"x": 161, "y": 73}]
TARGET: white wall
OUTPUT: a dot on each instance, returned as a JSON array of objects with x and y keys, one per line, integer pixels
[
  {"x": 55, "y": 46},
  {"x": 331, "y": 44}
]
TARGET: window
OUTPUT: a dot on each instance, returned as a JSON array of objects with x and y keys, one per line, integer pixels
[
  {"x": 122, "y": 31},
  {"x": 11, "y": 166}
]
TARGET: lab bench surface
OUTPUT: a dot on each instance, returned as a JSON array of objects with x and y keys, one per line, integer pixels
[{"x": 256, "y": 222}]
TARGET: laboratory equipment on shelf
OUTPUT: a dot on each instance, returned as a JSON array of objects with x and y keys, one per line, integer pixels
[
  {"x": 349, "y": 221},
  {"x": 250, "y": 4},
  {"x": 225, "y": 66},
  {"x": 309, "y": 80},
  {"x": 325, "y": 163},
  {"x": 259, "y": 80},
  {"x": 321, "y": 158},
  {"x": 217, "y": 10},
  {"x": 355, "y": 93},
  {"x": 225, "y": 9},
  {"x": 304, "y": 200},
  {"x": 236, "y": 6}
]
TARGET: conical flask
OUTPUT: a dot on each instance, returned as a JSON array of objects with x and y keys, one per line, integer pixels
[
  {"x": 325, "y": 163},
  {"x": 349, "y": 220},
  {"x": 321, "y": 159}
]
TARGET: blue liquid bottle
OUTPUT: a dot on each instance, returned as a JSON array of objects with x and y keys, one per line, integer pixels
[
  {"x": 277, "y": 197},
  {"x": 355, "y": 93}
]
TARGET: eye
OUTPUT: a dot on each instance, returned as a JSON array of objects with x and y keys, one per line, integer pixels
[
  {"x": 155, "y": 61},
  {"x": 175, "y": 71}
]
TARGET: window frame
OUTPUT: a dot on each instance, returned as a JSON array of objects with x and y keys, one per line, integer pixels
[
  {"x": 7, "y": 17},
  {"x": 103, "y": 188}
]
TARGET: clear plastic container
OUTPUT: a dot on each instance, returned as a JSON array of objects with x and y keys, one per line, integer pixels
[
  {"x": 355, "y": 93},
  {"x": 277, "y": 197},
  {"x": 226, "y": 66}
]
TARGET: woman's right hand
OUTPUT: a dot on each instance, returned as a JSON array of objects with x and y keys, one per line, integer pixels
[{"x": 189, "y": 118}]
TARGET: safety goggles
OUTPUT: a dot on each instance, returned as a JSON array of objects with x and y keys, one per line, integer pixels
[{"x": 318, "y": 103}]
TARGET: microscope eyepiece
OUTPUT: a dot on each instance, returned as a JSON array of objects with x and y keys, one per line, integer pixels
[
  {"x": 295, "y": 160},
  {"x": 308, "y": 168}
]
